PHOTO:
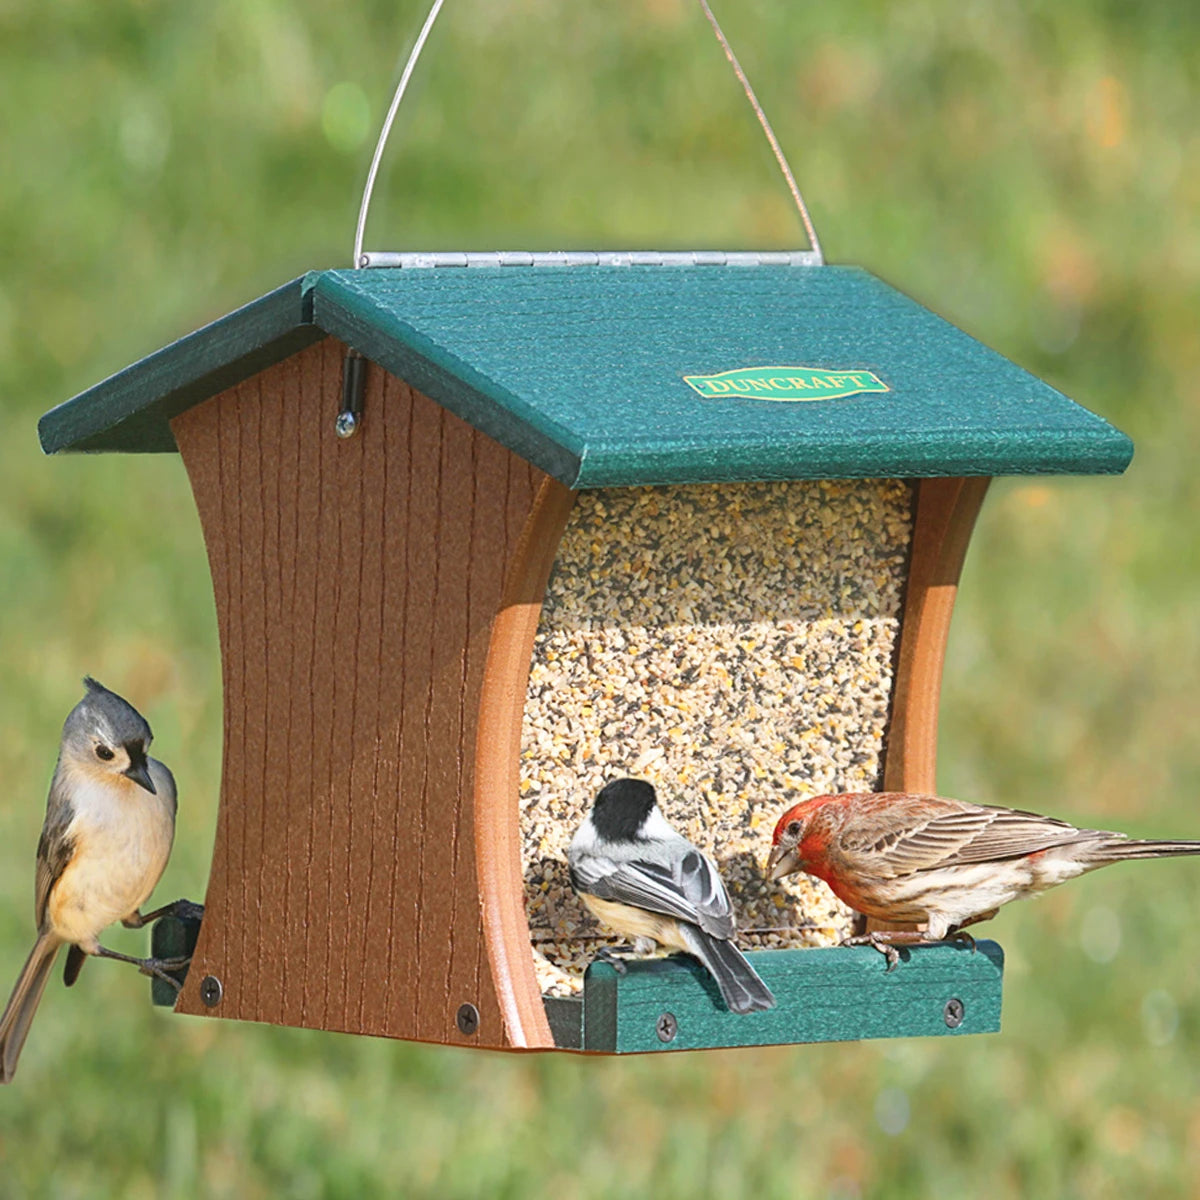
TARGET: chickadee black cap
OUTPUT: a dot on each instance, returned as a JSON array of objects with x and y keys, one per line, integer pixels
[{"x": 622, "y": 807}]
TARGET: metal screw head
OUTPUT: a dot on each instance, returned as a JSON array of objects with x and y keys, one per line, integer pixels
[
  {"x": 953, "y": 1013},
  {"x": 468, "y": 1019},
  {"x": 211, "y": 991},
  {"x": 346, "y": 424},
  {"x": 666, "y": 1027}
]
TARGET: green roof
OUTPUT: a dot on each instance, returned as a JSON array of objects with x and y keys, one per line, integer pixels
[{"x": 584, "y": 371}]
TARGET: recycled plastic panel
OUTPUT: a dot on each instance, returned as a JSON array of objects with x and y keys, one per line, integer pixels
[
  {"x": 355, "y": 583},
  {"x": 824, "y": 995},
  {"x": 591, "y": 362},
  {"x": 583, "y": 371}
]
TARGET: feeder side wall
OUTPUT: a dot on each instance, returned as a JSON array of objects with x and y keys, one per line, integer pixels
[{"x": 356, "y": 583}]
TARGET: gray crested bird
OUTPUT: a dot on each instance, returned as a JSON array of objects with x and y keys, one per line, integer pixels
[
  {"x": 648, "y": 883},
  {"x": 110, "y": 821}
]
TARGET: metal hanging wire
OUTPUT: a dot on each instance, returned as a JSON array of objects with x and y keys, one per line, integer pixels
[
  {"x": 363, "y": 260},
  {"x": 388, "y": 121},
  {"x": 780, "y": 158}
]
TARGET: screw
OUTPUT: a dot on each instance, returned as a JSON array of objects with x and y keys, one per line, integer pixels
[
  {"x": 667, "y": 1027},
  {"x": 953, "y": 1013},
  {"x": 346, "y": 425},
  {"x": 468, "y": 1019},
  {"x": 211, "y": 991}
]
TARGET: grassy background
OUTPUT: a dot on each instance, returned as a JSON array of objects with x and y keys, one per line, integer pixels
[{"x": 1031, "y": 171}]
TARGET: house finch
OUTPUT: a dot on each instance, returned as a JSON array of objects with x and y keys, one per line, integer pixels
[{"x": 938, "y": 863}]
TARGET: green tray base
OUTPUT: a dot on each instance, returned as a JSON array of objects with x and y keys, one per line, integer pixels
[{"x": 826, "y": 995}]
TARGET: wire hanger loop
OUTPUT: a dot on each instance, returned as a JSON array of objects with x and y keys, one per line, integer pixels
[{"x": 362, "y": 260}]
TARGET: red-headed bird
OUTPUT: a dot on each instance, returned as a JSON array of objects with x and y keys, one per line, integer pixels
[{"x": 937, "y": 863}]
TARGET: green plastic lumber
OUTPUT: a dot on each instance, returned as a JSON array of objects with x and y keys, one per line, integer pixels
[
  {"x": 607, "y": 376},
  {"x": 824, "y": 995}
]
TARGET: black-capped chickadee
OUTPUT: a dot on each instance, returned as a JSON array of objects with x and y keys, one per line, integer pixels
[{"x": 645, "y": 881}]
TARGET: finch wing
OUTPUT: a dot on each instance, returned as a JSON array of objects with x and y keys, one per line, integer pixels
[
  {"x": 55, "y": 850},
  {"x": 1012, "y": 833},
  {"x": 903, "y": 833},
  {"x": 690, "y": 889}
]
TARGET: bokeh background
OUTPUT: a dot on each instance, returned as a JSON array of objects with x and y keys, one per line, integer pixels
[{"x": 1031, "y": 171}]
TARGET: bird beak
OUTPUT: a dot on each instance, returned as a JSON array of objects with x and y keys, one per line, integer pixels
[
  {"x": 782, "y": 862},
  {"x": 139, "y": 772}
]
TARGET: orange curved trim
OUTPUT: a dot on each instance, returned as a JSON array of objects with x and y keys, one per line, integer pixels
[
  {"x": 497, "y": 770},
  {"x": 944, "y": 517}
]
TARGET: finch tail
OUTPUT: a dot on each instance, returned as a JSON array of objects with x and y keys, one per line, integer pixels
[
  {"x": 1121, "y": 848},
  {"x": 14, "y": 1024},
  {"x": 740, "y": 986}
]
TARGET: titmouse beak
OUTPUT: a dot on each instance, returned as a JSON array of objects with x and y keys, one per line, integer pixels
[
  {"x": 139, "y": 772},
  {"x": 782, "y": 862}
]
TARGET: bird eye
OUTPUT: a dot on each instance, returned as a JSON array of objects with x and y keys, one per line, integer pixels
[
  {"x": 103, "y": 752},
  {"x": 793, "y": 829}
]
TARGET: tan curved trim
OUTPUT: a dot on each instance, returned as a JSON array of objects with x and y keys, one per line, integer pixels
[
  {"x": 944, "y": 517},
  {"x": 497, "y": 770}
]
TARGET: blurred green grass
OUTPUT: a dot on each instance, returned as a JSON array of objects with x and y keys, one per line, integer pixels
[{"x": 1032, "y": 172}]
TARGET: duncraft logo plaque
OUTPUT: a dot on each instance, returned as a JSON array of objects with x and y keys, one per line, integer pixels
[{"x": 785, "y": 383}]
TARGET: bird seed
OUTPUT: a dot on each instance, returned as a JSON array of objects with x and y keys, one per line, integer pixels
[{"x": 734, "y": 646}]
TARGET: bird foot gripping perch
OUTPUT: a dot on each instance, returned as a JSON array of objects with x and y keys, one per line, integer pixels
[
  {"x": 886, "y": 941},
  {"x": 606, "y": 955},
  {"x": 172, "y": 942}
]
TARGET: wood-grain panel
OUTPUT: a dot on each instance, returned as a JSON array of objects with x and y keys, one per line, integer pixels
[
  {"x": 943, "y": 520},
  {"x": 498, "y": 763},
  {"x": 356, "y": 585}
]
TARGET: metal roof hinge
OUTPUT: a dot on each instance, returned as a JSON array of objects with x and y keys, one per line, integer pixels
[{"x": 589, "y": 258}]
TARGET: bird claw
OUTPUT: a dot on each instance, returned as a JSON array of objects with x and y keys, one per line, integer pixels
[
  {"x": 882, "y": 945},
  {"x": 883, "y": 941},
  {"x": 605, "y": 955},
  {"x": 159, "y": 968},
  {"x": 187, "y": 910},
  {"x": 181, "y": 910}
]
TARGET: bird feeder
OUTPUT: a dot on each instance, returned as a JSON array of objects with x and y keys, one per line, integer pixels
[{"x": 486, "y": 531}]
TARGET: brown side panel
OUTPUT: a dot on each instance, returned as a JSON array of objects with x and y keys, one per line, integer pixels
[
  {"x": 498, "y": 768},
  {"x": 356, "y": 584},
  {"x": 945, "y": 516}
]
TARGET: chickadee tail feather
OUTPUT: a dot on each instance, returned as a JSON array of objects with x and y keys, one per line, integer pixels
[
  {"x": 14, "y": 1024},
  {"x": 741, "y": 988}
]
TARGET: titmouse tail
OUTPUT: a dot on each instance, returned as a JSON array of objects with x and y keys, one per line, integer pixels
[
  {"x": 741, "y": 988},
  {"x": 18, "y": 1016}
]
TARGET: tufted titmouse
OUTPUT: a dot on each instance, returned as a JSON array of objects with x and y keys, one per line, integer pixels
[
  {"x": 110, "y": 820},
  {"x": 644, "y": 880}
]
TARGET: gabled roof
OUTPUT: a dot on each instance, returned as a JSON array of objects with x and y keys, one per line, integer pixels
[{"x": 584, "y": 370}]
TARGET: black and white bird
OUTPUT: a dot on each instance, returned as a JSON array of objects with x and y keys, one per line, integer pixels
[{"x": 648, "y": 883}]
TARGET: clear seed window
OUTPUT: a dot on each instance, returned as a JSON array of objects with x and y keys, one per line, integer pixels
[{"x": 735, "y": 646}]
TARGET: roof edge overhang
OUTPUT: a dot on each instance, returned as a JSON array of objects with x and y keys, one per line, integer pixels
[
  {"x": 453, "y": 382},
  {"x": 114, "y": 414},
  {"x": 887, "y": 456},
  {"x": 131, "y": 411}
]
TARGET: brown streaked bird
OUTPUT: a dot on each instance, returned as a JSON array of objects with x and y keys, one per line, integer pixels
[
  {"x": 110, "y": 821},
  {"x": 937, "y": 863}
]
